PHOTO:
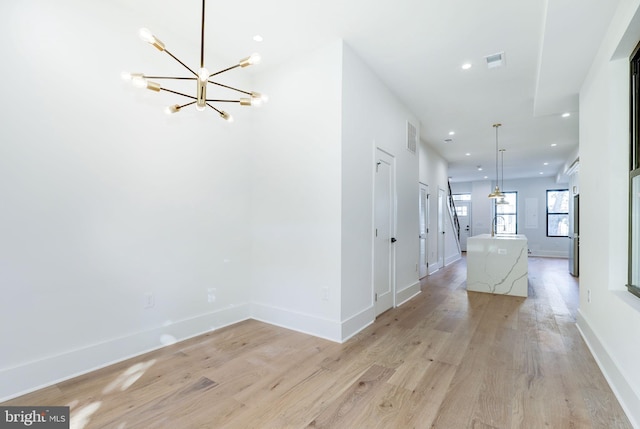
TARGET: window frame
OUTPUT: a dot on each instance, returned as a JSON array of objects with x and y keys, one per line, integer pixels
[
  {"x": 515, "y": 214},
  {"x": 634, "y": 165},
  {"x": 556, "y": 213}
]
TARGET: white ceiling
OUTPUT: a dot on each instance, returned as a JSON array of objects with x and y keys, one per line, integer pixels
[{"x": 417, "y": 47}]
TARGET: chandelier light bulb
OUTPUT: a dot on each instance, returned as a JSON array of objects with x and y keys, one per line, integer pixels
[
  {"x": 250, "y": 60},
  {"x": 139, "y": 81},
  {"x": 227, "y": 117},
  {"x": 172, "y": 109},
  {"x": 263, "y": 98},
  {"x": 146, "y": 35},
  {"x": 255, "y": 58},
  {"x": 200, "y": 108}
]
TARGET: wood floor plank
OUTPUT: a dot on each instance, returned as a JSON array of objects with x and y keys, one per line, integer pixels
[{"x": 346, "y": 409}]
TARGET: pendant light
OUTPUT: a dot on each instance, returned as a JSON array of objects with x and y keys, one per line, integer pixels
[
  {"x": 502, "y": 199},
  {"x": 496, "y": 192}
]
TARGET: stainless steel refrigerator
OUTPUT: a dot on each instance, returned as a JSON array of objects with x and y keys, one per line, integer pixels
[{"x": 574, "y": 236}]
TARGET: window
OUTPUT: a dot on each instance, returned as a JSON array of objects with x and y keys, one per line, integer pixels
[
  {"x": 506, "y": 220},
  {"x": 633, "y": 282},
  {"x": 558, "y": 213},
  {"x": 461, "y": 197},
  {"x": 462, "y": 211}
]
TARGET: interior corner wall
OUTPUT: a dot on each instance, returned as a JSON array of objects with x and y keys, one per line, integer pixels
[
  {"x": 296, "y": 195},
  {"x": 109, "y": 205},
  {"x": 372, "y": 116},
  {"x": 609, "y": 316},
  {"x": 433, "y": 172}
]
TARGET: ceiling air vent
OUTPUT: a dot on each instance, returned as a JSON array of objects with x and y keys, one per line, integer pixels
[
  {"x": 495, "y": 60},
  {"x": 412, "y": 137}
]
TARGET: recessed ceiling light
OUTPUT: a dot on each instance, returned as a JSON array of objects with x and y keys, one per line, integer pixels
[
  {"x": 486, "y": 177},
  {"x": 546, "y": 163},
  {"x": 451, "y": 133},
  {"x": 258, "y": 38},
  {"x": 554, "y": 144},
  {"x": 466, "y": 66},
  {"x": 566, "y": 115},
  {"x": 467, "y": 154},
  {"x": 541, "y": 172},
  {"x": 479, "y": 168}
]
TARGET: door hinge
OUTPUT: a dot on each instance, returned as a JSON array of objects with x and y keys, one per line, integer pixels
[
  {"x": 376, "y": 232},
  {"x": 376, "y": 296}
]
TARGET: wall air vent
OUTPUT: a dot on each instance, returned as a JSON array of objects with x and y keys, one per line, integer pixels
[
  {"x": 412, "y": 137},
  {"x": 495, "y": 60}
]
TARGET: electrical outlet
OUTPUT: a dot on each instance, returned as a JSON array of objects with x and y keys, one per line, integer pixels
[
  {"x": 589, "y": 295},
  {"x": 211, "y": 295},
  {"x": 325, "y": 294},
  {"x": 149, "y": 300}
]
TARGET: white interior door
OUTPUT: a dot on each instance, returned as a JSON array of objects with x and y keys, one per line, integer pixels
[
  {"x": 463, "y": 208},
  {"x": 441, "y": 214},
  {"x": 384, "y": 224},
  {"x": 424, "y": 230}
]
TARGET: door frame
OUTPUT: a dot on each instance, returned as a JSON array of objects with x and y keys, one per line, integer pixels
[
  {"x": 423, "y": 207},
  {"x": 441, "y": 228},
  {"x": 392, "y": 232},
  {"x": 469, "y": 223}
]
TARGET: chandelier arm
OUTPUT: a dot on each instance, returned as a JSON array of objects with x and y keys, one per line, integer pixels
[
  {"x": 229, "y": 87},
  {"x": 181, "y": 63},
  {"x": 217, "y": 110},
  {"x": 170, "y": 77},
  {"x": 188, "y": 104},
  {"x": 202, "y": 39},
  {"x": 222, "y": 101},
  {"x": 225, "y": 70},
  {"x": 179, "y": 93}
]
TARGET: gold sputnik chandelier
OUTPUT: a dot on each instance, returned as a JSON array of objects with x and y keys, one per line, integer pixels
[{"x": 202, "y": 78}]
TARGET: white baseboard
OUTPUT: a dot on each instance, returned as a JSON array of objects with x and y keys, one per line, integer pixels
[
  {"x": 357, "y": 322},
  {"x": 452, "y": 258},
  {"x": 407, "y": 293},
  {"x": 624, "y": 392},
  {"x": 550, "y": 253},
  {"x": 434, "y": 267},
  {"x": 301, "y": 322},
  {"x": 19, "y": 380}
]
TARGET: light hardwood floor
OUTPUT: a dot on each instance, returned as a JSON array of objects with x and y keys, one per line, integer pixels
[{"x": 446, "y": 359}]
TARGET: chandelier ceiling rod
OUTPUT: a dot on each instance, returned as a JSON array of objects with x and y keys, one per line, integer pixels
[{"x": 202, "y": 39}]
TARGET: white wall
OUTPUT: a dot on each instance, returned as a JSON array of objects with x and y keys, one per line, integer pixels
[
  {"x": 609, "y": 320},
  {"x": 105, "y": 198},
  {"x": 531, "y": 192},
  {"x": 373, "y": 117},
  {"x": 296, "y": 195}
]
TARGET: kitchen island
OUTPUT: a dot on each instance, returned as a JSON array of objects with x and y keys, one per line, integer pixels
[{"x": 497, "y": 264}]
